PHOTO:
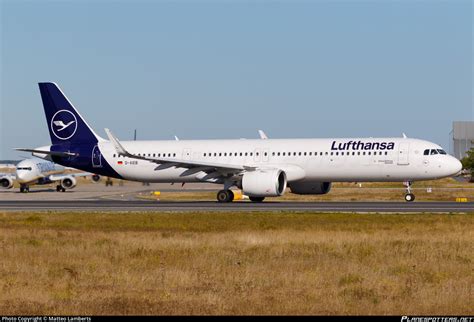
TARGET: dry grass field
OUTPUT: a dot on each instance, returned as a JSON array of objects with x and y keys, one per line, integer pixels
[{"x": 236, "y": 263}]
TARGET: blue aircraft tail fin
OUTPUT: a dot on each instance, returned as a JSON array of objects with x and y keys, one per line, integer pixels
[{"x": 65, "y": 124}]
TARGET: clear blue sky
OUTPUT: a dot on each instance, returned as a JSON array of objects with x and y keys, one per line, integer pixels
[{"x": 223, "y": 69}]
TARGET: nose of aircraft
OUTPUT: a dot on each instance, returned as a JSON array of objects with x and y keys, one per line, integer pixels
[
  {"x": 21, "y": 176},
  {"x": 454, "y": 166}
]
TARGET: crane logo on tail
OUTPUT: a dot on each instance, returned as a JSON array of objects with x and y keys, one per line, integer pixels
[{"x": 63, "y": 124}]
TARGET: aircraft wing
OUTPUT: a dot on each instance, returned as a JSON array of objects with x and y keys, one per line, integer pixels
[
  {"x": 58, "y": 177},
  {"x": 180, "y": 163},
  {"x": 8, "y": 175}
]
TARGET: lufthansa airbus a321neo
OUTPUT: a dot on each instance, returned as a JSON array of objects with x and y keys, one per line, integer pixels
[{"x": 261, "y": 168}]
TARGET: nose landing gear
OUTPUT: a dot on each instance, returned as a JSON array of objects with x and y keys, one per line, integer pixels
[{"x": 409, "y": 197}]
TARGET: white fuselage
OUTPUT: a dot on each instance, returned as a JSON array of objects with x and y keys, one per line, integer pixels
[
  {"x": 29, "y": 171},
  {"x": 351, "y": 159}
]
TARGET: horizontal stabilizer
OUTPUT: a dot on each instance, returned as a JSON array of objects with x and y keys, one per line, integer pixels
[{"x": 52, "y": 153}]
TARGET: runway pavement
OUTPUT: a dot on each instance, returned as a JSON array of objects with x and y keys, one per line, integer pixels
[{"x": 145, "y": 205}]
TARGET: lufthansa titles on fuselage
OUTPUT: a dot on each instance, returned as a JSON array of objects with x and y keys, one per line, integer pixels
[{"x": 359, "y": 145}]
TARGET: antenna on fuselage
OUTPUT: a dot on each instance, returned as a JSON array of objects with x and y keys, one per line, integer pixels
[{"x": 135, "y": 135}]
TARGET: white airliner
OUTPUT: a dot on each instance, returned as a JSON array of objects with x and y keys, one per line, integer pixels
[
  {"x": 40, "y": 172},
  {"x": 261, "y": 168}
]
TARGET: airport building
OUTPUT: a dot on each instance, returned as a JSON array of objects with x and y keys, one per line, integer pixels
[{"x": 462, "y": 138}]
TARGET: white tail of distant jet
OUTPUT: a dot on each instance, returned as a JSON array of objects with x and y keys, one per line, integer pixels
[{"x": 261, "y": 168}]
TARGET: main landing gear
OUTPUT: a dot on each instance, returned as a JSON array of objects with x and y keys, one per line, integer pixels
[
  {"x": 225, "y": 195},
  {"x": 409, "y": 197},
  {"x": 59, "y": 188}
]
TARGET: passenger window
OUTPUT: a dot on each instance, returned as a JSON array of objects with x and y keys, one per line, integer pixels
[
  {"x": 353, "y": 153},
  {"x": 299, "y": 153},
  {"x": 310, "y": 154},
  {"x": 265, "y": 154},
  {"x": 386, "y": 153},
  {"x": 251, "y": 153},
  {"x": 225, "y": 154},
  {"x": 278, "y": 153},
  {"x": 332, "y": 153},
  {"x": 322, "y": 153},
  {"x": 246, "y": 153}
]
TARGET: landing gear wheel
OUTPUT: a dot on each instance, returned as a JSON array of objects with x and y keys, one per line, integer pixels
[
  {"x": 256, "y": 199},
  {"x": 225, "y": 196},
  {"x": 63, "y": 189},
  {"x": 409, "y": 197},
  {"x": 24, "y": 189},
  {"x": 58, "y": 188}
]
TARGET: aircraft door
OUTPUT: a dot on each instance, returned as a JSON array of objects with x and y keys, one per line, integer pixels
[
  {"x": 187, "y": 154},
  {"x": 403, "y": 150},
  {"x": 96, "y": 157}
]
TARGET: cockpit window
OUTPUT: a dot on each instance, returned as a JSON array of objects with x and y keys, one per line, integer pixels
[
  {"x": 441, "y": 151},
  {"x": 426, "y": 152},
  {"x": 434, "y": 151},
  {"x": 24, "y": 168}
]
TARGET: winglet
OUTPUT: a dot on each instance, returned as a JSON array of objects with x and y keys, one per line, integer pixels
[
  {"x": 404, "y": 135},
  {"x": 262, "y": 134},
  {"x": 118, "y": 146}
]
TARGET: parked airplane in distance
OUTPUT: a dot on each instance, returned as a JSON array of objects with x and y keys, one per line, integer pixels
[
  {"x": 261, "y": 168},
  {"x": 40, "y": 172}
]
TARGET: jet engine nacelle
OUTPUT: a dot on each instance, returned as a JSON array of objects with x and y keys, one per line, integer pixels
[
  {"x": 264, "y": 183},
  {"x": 68, "y": 182},
  {"x": 95, "y": 178},
  {"x": 6, "y": 183},
  {"x": 310, "y": 188}
]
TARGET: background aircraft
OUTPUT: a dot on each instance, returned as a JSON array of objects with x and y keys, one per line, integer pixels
[{"x": 40, "y": 172}]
